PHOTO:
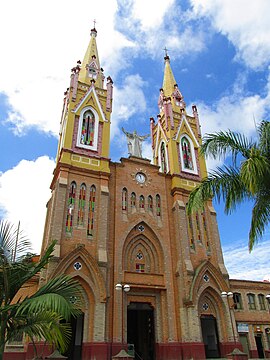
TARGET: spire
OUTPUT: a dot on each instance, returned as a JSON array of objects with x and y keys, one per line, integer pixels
[
  {"x": 168, "y": 80},
  {"x": 91, "y": 69}
]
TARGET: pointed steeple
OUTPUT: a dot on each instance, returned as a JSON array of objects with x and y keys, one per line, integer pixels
[
  {"x": 91, "y": 69},
  {"x": 168, "y": 80}
]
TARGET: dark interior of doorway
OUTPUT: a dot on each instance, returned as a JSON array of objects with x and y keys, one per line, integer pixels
[
  {"x": 75, "y": 347},
  {"x": 141, "y": 330},
  {"x": 259, "y": 344},
  {"x": 210, "y": 336}
]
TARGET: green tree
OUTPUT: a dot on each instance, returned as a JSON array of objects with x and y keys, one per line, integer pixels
[
  {"x": 43, "y": 315},
  {"x": 247, "y": 178}
]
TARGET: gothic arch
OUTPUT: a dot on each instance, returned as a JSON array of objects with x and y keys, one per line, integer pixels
[
  {"x": 148, "y": 244},
  {"x": 198, "y": 285},
  {"x": 94, "y": 278}
]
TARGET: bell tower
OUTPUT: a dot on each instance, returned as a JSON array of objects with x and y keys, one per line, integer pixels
[
  {"x": 81, "y": 176},
  {"x": 176, "y": 136}
]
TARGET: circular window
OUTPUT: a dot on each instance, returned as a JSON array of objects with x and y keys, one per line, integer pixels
[
  {"x": 77, "y": 265},
  {"x": 206, "y": 278},
  {"x": 139, "y": 256},
  {"x": 141, "y": 228},
  {"x": 205, "y": 307}
]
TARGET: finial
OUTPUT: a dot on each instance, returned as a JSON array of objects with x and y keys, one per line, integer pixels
[{"x": 94, "y": 21}]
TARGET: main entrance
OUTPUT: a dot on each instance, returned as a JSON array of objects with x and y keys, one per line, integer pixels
[
  {"x": 210, "y": 336},
  {"x": 75, "y": 347},
  {"x": 141, "y": 330}
]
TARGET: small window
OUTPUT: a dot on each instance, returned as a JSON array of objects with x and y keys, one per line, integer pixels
[
  {"x": 133, "y": 200},
  {"x": 237, "y": 301},
  {"x": 140, "y": 268},
  {"x": 70, "y": 207},
  {"x": 81, "y": 205},
  {"x": 251, "y": 301},
  {"x": 141, "y": 202},
  {"x": 158, "y": 205},
  {"x": 124, "y": 199},
  {"x": 150, "y": 203},
  {"x": 261, "y": 298},
  {"x": 91, "y": 211}
]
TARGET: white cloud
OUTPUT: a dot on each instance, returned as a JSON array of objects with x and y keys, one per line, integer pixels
[
  {"x": 245, "y": 23},
  {"x": 42, "y": 42},
  {"x": 128, "y": 100},
  {"x": 248, "y": 266},
  {"x": 24, "y": 192}
]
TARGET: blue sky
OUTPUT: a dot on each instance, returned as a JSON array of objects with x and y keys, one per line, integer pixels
[{"x": 220, "y": 56}]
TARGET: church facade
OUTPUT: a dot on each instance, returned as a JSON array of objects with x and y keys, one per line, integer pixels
[{"x": 152, "y": 276}]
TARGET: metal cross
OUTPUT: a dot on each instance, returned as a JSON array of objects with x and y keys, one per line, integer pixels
[
  {"x": 166, "y": 51},
  {"x": 94, "y": 21}
]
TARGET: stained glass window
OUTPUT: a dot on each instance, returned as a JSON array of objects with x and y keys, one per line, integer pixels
[
  {"x": 133, "y": 200},
  {"x": 150, "y": 203},
  {"x": 81, "y": 205},
  {"x": 186, "y": 154},
  {"x": 70, "y": 207},
  {"x": 158, "y": 206},
  {"x": 91, "y": 212},
  {"x": 141, "y": 202},
  {"x": 88, "y": 128},
  {"x": 140, "y": 268},
  {"x": 163, "y": 158}
]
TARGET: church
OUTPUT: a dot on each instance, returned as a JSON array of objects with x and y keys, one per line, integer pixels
[{"x": 154, "y": 280}]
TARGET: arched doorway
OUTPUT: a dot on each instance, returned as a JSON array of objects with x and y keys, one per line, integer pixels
[
  {"x": 141, "y": 330},
  {"x": 75, "y": 347},
  {"x": 210, "y": 336}
]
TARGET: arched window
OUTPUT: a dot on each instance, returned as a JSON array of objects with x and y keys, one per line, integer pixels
[
  {"x": 124, "y": 199},
  {"x": 88, "y": 129},
  {"x": 186, "y": 154},
  {"x": 251, "y": 301},
  {"x": 163, "y": 158},
  {"x": 261, "y": 299},
  {"x": 91, "y": 212},
  {"x": 141, "y": 202},
  {"x": 70, "y": 207},
  {"x": 133, "y": 200},
  {"x": 158, "y": 205},
  {"x": 150, "y": 203},
  {"x": 237, "y": 299},
  {"x": 81, "y": 205}
]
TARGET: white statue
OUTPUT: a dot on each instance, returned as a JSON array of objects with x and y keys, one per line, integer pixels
[{"x": 135, "y": 142}]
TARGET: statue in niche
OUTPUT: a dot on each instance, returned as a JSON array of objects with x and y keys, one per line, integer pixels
[{"x": 134, "y": 143}]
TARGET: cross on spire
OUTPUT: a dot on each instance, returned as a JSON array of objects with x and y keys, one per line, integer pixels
[
  {"x": 166, "y": 51},
  {"x": 94, "y": 21}
]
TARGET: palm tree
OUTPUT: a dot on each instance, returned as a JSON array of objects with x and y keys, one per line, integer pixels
[
  {"x": 247, "y": 178},
  {"x": 44, "y": 314}
]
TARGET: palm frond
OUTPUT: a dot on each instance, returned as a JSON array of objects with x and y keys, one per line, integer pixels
[
  {"x": 260, "y": 218},
  {"x": 218, "y": 145},
  {"x": 223, "y": 183},
  {"x": 46, "y": 325},
  {"x": 55, "y": 295},
  {"x": 264, "y": 134},
  {"x": 254, "y": 170}
]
